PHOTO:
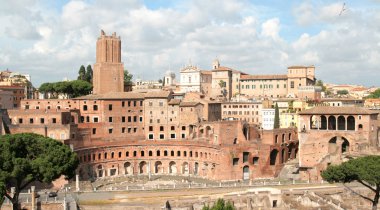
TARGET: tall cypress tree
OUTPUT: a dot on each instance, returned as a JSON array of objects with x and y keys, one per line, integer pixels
[
  {"x": 276, "y": 117},
  {"x": 82, "y": 73},
  {"x": 88, "y": 76}
]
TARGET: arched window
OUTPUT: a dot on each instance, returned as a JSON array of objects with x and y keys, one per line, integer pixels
[
  {"x": 332, "y": 123},
  {"x": 158, "y": 153},
  {"x": 350, "y": 123},
  {"x": 360, "y": 127},
  {"x": 323, "y": 123},
  {"x": 273, "y": 157},
  {"x": 150, "y": 153},
  {"x": 283, "y": 138},
  {"x": 341, "y": 123}
]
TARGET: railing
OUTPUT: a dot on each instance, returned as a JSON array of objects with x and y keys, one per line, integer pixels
[{"x": 244, "y": 184}]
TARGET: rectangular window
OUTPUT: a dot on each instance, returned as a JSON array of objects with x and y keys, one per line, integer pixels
[
  {"x": 245, "y": 157},
  {"x": 172, "y": 135},
  {"x": 94, "y": 131},
  {"x": 129, "y": 119},
  {"x": 292, "y": 84},
  {"x": 134, "y": 118},
  {"x": 134, "y": 103},
  {"x": 123, "y": 130},
  {"x": 150, "y": 136},
  {"x": 31, "y": 120},
  {"x": 235, "y": 161},
  {"x": 150, "y": 128},
  {"x": 42, "y": 120},
  {"x": 122, "y": 103},
  {"x": 95, "y": 107},
  {"x": 54, "y": 120},
  {"x": 96, "y": 119},
  {"x": 183, "y": 135},
  {"x": 123, "y": 119},
  {"x": 110, "y": 130},
  {"x": 110, "y": 107},
  {"x": 141, "y": 103},
  {"x": 134, "y": 130},
  {"x": 161, "y": 128},
  {"x": 109, "y": 119},
  {"x": 162, "y": 136}
]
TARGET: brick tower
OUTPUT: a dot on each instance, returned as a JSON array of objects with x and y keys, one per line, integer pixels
[{"x": 108, "y": 69}]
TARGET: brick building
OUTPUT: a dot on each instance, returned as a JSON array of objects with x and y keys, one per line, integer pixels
[
  {"x": 118, "y": 133},
  {"x": 331, "y": 135}
]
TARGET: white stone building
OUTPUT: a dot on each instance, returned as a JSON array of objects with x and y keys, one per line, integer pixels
[{"x": 267, "y": 116}]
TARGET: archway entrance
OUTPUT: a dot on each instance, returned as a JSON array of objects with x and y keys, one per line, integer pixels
[
  {"x": 172, "y": 168},
  {"x": 128, "y": 168},
  {"x": 185, "y": 168},
  {"x": 345, "y": 145},
  {"x": 158, "y": 167},
  {"x": 245, "y": 172},
  {"x": 143, "y": 167}
]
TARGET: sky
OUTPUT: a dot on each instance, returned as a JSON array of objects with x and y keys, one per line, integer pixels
[{"x": 50, "y": 40}]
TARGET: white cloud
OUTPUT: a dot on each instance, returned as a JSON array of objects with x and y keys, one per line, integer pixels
[{"x": 56, "y": 43}]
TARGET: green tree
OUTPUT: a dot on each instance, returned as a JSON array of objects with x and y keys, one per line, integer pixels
[
  {"x": 365, "y": 170},
  {"x": 89, "y": 73},
  {"x": 80, "y": 88},
  {"x": 276, "y": 117},
  {"x": 127, "y": 77},
  {"x": 220, "y": 205},
  {"x": 82, "y": 73},
  {"x": 29, "y": 157},
  {"x": 320, "y": 83},
  {"x": 375, "y": 94},
  {"x": 71, "y": 89},
  {"x": 342, "y": 92}
]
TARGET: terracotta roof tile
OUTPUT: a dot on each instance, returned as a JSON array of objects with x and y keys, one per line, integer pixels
[
  {"x": 189, "y": 103},
  {"x": 337, "y": 110},
  {"x": 112, "y": 95},
  {"x": 270, "y": 76}
]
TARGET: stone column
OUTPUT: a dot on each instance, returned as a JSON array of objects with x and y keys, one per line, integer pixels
[
  {"x": 33, "y": 197},
  {"x": 77, "y": 182}
]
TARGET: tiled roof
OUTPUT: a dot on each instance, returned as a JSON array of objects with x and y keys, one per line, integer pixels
[
  {"x": 174, "y": 102},
  {"x": 189, "y": 103},
  {"x": 113, "y": 95},
  {"x": 269, "y": 76},
  {"x": 157, "y": 94},
  {"x": 337, "y": 110},
  {"x": 222, "y": 68},
  {"x": 206, "y": 72}
]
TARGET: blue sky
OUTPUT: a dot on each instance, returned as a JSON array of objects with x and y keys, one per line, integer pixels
[{"x": 50, "y": 39}]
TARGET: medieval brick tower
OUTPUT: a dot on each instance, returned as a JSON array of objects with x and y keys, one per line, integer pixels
[{"x": 108, "y": 69}]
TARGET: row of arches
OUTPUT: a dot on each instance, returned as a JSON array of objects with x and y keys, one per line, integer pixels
[
  {"x": 284, "y": 137},
  {"x": 333, "y": 123},
  {"x": 156, "y": 167},
  {"x": 287, "y": 153},
  {"x": 150, "y": 153}
]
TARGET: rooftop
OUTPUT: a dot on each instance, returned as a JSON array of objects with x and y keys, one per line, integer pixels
[
  {"x": 337, "y": 110},
  {"x": 269, "y": 76}
]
